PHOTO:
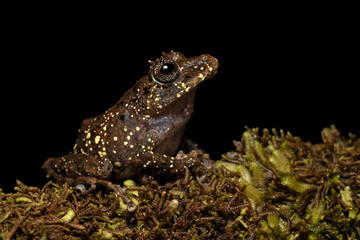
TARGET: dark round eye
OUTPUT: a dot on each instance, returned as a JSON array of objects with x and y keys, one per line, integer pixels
[
  {"x": 165, "y": 71},
  {"x": 167, "y": 68}
]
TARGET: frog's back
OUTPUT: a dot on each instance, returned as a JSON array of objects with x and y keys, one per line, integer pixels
[
  {"x": 94, "y": 133},
  {"x": 101, "y": 135}
]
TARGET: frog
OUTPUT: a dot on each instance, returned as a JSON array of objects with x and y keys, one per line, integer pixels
[{"x": 141, "y": 133}]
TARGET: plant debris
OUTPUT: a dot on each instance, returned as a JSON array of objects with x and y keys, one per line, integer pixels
[{"x": 272, "y": 186}]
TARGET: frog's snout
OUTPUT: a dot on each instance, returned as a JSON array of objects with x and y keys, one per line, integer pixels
[
  {"x": 212, "y": 63},
  {"x": 202, "y": 67}
]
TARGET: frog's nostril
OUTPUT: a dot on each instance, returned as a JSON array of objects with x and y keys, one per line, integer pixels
[{"x": 213, "y": 62}]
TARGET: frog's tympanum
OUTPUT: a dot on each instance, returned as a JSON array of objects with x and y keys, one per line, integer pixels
[{"x": 142, "y": 132}]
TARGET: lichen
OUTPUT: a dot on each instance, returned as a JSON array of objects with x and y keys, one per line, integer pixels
[{"x": 271, "y": 186}]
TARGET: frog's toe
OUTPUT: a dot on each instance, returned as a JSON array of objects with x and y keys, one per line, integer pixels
[
  {"x": 82, "y": 183},
  {"x": 121, "y": 192},
  {"x": 81, "y": 188},
  {"x": 129, "y": 203}
]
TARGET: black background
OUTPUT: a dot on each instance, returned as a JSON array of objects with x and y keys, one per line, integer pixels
[{"x": 297, "y": 73}]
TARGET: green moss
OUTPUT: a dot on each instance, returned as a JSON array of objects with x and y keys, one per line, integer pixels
[
  {"x": 292, "y": 183},
  {"x": 272, "y": 186},
  {"x": 68, "y": 216}
]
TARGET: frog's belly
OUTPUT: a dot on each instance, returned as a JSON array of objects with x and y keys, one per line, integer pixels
[{"x": 171, "y": 144}]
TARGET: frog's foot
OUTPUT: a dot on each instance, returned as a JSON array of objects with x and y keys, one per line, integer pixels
[
  {"x": 82, "y": 182},
  {"x": 166, "y": 166},
  {"x": 84, "y": 172},
  {"x": 199, "y": 161},
  {"x": 120, "y": 192}
]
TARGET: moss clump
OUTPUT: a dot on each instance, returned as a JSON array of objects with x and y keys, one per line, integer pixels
[{"x": 272, "y": 186}]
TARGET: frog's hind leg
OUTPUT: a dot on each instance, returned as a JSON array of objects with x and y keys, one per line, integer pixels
[
  {"x": 51, "y": 172},
  {"x": 85, "y": 172},
  {"x": 82, "y": 182}
]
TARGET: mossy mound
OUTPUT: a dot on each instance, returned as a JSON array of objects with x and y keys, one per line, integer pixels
[{"x": 272, "y": 186}]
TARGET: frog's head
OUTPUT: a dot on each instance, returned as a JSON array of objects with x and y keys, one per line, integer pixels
[
  {"x": 173, "y": 80},
  {"x": 174, "y": 69}
]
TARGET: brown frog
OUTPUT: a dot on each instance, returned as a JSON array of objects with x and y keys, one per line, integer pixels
[{"x": 141, "y": 133}]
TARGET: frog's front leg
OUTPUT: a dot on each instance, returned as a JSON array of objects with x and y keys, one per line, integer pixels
[
  {"x": 83, "y": 171},
  {"x": 161, "y": 164}
]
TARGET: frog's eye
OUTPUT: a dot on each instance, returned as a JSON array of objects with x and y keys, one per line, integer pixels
[{"x": 165, "y": 71}]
